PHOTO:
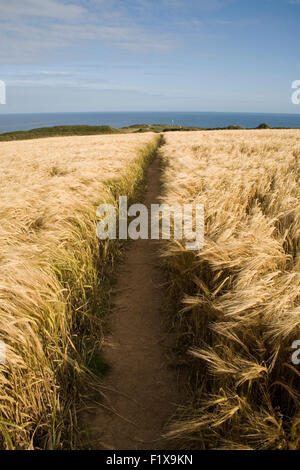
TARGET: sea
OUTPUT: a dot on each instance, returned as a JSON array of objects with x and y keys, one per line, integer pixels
[{"x": 23, "y": 122}]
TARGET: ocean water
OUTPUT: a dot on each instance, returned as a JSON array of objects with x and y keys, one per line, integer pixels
[{"x": 23, "y": 122}]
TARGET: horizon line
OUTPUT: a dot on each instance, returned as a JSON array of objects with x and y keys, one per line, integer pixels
[{"x": 153, "y": 111}]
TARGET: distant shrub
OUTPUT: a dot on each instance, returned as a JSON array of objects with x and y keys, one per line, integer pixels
[{"x": 263, "y": 126}]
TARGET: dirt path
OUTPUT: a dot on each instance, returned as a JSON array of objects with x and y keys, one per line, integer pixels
[{"x": 141, "y": 389}]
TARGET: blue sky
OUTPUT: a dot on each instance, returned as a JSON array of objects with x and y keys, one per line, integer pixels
[{"x": 140, "y": 55}]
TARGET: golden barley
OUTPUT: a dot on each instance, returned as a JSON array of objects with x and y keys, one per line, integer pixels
[
  {"x": 239, "y": 296},
  {"x": 53, "y": 278}
]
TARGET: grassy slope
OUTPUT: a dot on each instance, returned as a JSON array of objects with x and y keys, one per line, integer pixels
[
  {"x": 64, "y": 131},
  {"x": 57, "y": 131}
]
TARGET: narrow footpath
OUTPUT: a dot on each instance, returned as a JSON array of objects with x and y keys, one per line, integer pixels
[{"x": 141, "y": 390}]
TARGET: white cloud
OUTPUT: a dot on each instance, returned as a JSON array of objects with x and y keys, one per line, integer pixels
[
  {"x": 54, "y": 72},
  {"x": 70, "y": 83},
  {"x": 186, "y": 4},
  {"x": 14, "y": 9},
  {"x": 61, "y": 25}
]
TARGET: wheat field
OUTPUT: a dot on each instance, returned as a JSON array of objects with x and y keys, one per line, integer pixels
[
  {"x": 238, "y": 299},
  {"x": 53, "y": 276},
  {"x": 235, "y": 303}
]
